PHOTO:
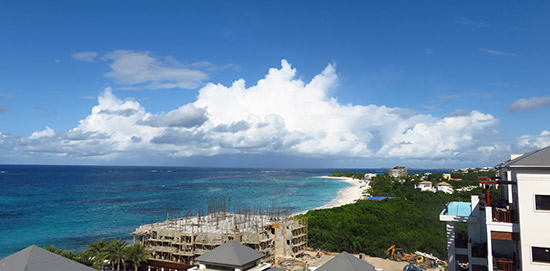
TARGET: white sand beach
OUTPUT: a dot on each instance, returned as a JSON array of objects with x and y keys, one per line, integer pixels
[{"x": 346, "y": 195}]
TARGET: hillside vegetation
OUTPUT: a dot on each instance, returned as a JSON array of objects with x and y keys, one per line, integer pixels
[{"x": 411, "y": 220}]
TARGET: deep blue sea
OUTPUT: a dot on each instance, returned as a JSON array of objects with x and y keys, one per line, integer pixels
[{"x": 71, "y": 206}]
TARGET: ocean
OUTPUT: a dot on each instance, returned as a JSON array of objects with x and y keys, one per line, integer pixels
[{"x": 71, "y": 206}]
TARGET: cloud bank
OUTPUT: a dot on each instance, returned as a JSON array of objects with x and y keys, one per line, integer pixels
[{"x": 278, "y": 115}]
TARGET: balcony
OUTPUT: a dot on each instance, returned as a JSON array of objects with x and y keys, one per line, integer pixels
[
  {"x": 504, "y": 215},
  {"x": 501, "y": 220},
  {"x": 504, "y": 264}
]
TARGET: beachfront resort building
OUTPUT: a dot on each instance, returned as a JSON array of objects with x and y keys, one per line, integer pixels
[
  {"x": 510, "y": 233},
  {"x": 398, "y": 172},
  {"x": 179, "y": 242}
]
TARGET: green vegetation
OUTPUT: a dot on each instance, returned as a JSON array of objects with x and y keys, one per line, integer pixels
[
  {"x": 112, "y": 252},
  {"x": 354, "y": 175},
  {"x": 410, "y": 221}
]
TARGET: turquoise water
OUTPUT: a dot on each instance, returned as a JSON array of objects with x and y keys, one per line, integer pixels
[{"x": 71, "y": 206}]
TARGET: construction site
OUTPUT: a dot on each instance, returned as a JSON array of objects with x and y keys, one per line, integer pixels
[{"x": 181, "y": 240}]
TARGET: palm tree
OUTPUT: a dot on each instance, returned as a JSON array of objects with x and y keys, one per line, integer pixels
[
  {"x": 53, "y": 249},
  {"x": 97, "y": 250},
  {"x": 90, "y": 258},
  {"x": 115, "y": 251},
  {"x": 70, "y": 255},
  {"x": 98, "y": 246},
  {"x": 137, "y": 254}
]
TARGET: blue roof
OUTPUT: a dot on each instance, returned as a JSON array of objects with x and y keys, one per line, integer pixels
[{"x": 456, "y": 208}]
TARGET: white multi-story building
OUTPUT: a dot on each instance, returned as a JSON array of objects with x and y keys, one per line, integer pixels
[
  {"x": 398, "y": 172},
  {"x": 512, "y": 232}
]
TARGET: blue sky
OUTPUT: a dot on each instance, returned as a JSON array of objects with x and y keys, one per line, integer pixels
[{"x": 273, "y": 84}]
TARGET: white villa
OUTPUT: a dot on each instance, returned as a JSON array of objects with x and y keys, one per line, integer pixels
[
  {"x": 425, "y": 186},
  {"x": 428, "y": 186},
  {"x": 445, "y": 187},
  {"x": 511, "y": 233}
]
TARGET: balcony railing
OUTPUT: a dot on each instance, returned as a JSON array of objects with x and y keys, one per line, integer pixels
[
  {"x": 504, "y": 215},
  {"x": 503, "y": 264}
]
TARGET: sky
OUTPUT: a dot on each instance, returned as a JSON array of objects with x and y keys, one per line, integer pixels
[{"x": 301, "y": 84}]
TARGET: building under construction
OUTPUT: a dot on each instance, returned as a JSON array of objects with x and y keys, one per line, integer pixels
[{"x": 181, "y": 240}]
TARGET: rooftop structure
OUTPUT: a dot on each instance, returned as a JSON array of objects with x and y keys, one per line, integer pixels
[
  {"x": 34, "y": 258},
  {"x": 231, "y": 256},
  {"x": 535, "y": 159},
  {"x": 510, "y": 233},
  {"x": 346, "y": 262}
]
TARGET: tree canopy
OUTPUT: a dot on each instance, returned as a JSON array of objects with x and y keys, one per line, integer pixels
[{"x": 410, "y": 220}]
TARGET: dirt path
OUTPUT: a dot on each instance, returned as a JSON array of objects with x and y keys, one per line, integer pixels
[{"x": 378, "y": 263}]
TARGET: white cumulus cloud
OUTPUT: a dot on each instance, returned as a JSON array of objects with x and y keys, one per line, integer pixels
[
  {"x": 531, "y": 142},
  {"x": 279, "y": 114},
  {"x": 48, "y": 132}
]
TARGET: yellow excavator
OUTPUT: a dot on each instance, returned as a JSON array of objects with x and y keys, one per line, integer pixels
[
  {"x": 394, "y": 253},
  {"x": 397, "y": 254}
]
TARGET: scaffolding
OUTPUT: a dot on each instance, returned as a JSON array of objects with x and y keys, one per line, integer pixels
[{"x": 181, "y": 240}]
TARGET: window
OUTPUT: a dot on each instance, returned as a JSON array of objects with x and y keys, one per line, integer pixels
[
  {"x": 542, "y": 202},
  {"x": 541, "y": 254}
]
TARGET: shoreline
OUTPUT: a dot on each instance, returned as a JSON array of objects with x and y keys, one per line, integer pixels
[{"x": 345, "y": 196}]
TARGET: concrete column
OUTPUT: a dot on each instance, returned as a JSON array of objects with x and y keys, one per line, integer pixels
[
  {"x": 489, "y": 219},
  {"x": 469, "y": 255},
  {"x": 451, "y": 232}
]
